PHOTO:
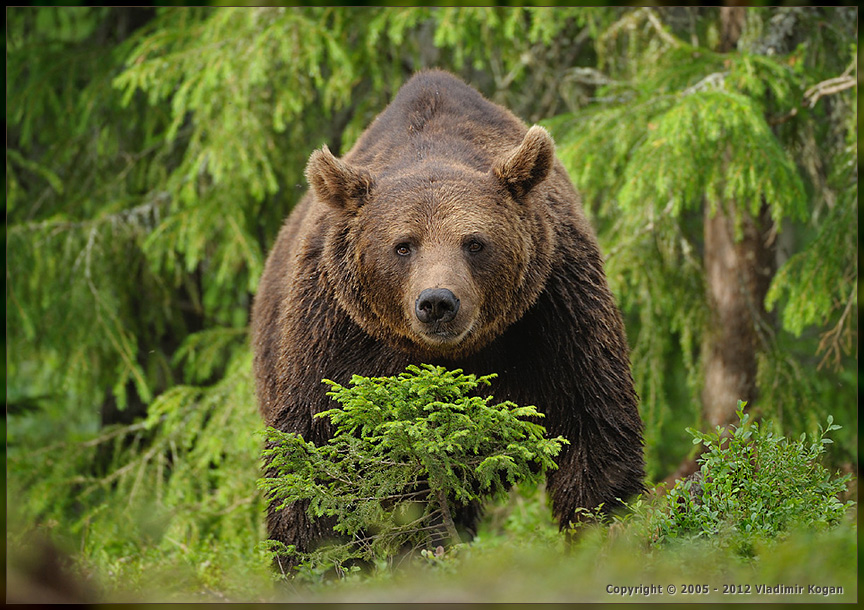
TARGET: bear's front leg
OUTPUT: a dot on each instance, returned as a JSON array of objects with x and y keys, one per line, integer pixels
[
  {"x": 602, "y": 466},
  {"x": 292, "y": 526}
]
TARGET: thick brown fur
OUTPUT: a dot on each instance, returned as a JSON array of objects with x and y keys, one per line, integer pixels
[{"x": 446, "y": 190}]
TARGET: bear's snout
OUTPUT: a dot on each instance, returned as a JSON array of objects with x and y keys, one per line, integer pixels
[{"x": 436, "y": 305}]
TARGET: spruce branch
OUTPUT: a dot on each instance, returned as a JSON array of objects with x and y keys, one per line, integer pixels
[
  {"x": 837, "y": 341},
  {"x": 819, "y": 90},
  {"x": 145, "y": 215},
  {"x": 630, "y": 22},
  {"x": 828, "y": 87},
  {"x": 660, "y": 28},
  {"x": 714, "y": 80},
  {"x": 832, "y": 85}
]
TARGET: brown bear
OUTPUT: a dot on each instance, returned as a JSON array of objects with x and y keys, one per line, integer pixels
[{"x": 451, "y": 235}]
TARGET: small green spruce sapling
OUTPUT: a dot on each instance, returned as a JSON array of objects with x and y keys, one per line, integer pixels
[{"x": 407, "y": 452}]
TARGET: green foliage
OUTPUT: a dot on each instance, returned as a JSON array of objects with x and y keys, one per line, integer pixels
[
  {"x": 152, "y": 154},
  {"x": 754, "y": 484},
  {"x": 406, "y": 453},
  {"x": 173, "y": 494},
  {"x": 675, "y": 131},
  {"x": 822, "y": 281},
  {"x": 695, "y": 536}
]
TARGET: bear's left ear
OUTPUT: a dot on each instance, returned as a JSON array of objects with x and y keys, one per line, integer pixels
[
  {"x": 337, "y": 183},
  {"x": 528, "y": 165}
]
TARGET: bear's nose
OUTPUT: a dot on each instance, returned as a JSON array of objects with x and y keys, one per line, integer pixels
[{"x": 436, "y": 305}]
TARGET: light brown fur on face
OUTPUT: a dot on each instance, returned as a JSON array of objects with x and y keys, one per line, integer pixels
[
  {"x": 440, "y": 221},
  {"x": 449, "y": 234}
]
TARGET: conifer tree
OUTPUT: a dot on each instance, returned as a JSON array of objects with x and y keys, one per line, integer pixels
[{"x": 699, "y": 157}]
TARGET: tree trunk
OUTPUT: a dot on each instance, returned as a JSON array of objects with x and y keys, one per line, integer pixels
[
  {"x": 737, "y": 275},
  {"x": 452, "y": 533}
]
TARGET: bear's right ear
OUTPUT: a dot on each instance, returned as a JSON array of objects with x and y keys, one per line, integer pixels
[{"x": 337, "y": 183}]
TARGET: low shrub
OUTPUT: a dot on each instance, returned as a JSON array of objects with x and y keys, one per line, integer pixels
[{"x": 753, "y": 485}]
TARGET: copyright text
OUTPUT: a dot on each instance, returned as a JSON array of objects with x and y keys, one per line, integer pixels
[{"x": 689, "y": 589}]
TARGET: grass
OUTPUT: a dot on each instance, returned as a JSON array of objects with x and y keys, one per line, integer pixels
[
  {"x": 700, "y": 541},
  {"x": 518, "y": 556}
]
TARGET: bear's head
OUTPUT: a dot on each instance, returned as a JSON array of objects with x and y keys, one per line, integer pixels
[{"x": 437, "y": 257}]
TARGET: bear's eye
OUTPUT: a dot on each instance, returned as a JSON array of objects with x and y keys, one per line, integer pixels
[
  {"x": 474, "y": 246},
  {"x": 403, "y": 249}
]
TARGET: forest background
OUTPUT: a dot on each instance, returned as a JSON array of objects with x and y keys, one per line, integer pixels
[{"x": 152, "y": 154}]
